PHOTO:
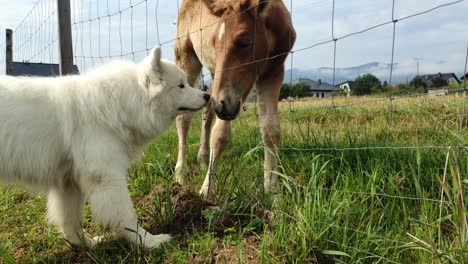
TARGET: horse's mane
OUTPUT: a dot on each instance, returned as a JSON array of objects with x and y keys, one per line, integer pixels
[{"x": 236, "y": 5}]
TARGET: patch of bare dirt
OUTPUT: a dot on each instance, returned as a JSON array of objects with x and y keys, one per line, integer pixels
[{"x": 178, "y": 209}]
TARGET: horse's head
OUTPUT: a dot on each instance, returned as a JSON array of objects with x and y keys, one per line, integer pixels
[{"x": 241, "y": 45}]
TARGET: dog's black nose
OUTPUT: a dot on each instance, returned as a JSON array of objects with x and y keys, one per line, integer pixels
[{"x": 206, "y": 97}]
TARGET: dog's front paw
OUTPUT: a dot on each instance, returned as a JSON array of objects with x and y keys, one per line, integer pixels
[
  {"x": 81, "y": 239},
  {"x": 154, "y": 241},
  {"x": 92, "y": 242},
  {"x": 89, "y": 242},
  {"x": 97, "y": 239}
]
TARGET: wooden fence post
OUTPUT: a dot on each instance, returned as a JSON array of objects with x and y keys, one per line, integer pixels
[
  {"x": 9, "y": 52},
  {"x": 65, "y": 37}
]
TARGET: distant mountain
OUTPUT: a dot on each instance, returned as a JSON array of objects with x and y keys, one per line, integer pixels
[
  {"x": 401, "y": 74},
  {"x": 381, "y": 70}
]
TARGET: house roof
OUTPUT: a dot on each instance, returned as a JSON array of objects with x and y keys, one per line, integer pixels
[
  {"x": 349, "y": 82},
  {"x": 317, "y": 85},
  {"x": 464, "y": 77},
  {"x": 38, "y": 69},
  {"x": 445, "y": 76}
]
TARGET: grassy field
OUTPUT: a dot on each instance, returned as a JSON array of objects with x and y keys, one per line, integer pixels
[{"x": 370, "y": 181}]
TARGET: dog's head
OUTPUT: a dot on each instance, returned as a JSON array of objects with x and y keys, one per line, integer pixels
[{"x": 167, "y": 84}]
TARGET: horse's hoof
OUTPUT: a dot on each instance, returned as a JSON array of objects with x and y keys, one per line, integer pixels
[{"x": 180, "y": 176}]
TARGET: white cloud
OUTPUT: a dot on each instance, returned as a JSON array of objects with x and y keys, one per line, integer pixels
[{"x": 13, "y": 13}]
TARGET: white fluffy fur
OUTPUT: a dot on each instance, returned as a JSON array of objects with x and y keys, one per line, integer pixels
[{"x": 74, "y": 137}]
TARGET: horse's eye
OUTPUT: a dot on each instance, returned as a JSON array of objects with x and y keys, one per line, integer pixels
[
  {"x": 181, "y": 86},
  {"x": 242, "y": 43}
]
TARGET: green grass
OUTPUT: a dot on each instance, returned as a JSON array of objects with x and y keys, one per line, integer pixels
[{"x": 337, "y": 204}]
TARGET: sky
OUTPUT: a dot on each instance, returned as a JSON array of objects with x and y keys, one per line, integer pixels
[{"x": 438, "y": 39}]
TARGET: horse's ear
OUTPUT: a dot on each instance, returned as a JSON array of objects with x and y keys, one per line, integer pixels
[
  {"x": 217, "y": 7},
  {"x": 262, "y": 6},
  {"x": 259, "y": 5}
]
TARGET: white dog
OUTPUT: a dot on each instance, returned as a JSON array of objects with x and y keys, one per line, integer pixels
[{"x": 74, "y": 137}]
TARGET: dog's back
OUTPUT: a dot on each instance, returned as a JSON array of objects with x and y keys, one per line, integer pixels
[
  {"x": 32, "y": 150},
  {"x": 41, "y": 117}
]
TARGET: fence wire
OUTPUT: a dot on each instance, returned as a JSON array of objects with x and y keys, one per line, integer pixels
[
  {"x": 35, "y": 37},
  {"x": 104, "y": 30},
  {"x": 2, "y": 57}
]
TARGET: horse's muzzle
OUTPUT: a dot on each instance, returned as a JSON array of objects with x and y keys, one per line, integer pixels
[{"x": 226, "y": 111}]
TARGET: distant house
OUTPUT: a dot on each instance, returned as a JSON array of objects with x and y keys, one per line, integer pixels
[
  {"x": 464, "y": 77},
  {"x": 38, "y": 69},
  {"x": 318, "y": 88},
  {"x": 438, "y": 92},
  {"x": 450, "y": 78},
  {"x": 345, "y": 87}
]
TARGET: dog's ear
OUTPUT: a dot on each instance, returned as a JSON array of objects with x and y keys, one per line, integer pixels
[{"x": 155, "y": 58}]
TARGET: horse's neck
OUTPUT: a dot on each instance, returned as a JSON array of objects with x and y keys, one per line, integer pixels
[{"x": 202, "y": 28}]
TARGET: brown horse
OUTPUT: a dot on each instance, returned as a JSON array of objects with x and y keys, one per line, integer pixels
[{"x": 243, "y": 43}]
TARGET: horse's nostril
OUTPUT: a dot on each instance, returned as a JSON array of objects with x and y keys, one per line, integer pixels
[
  {"x": 219, "y": 107},
  {"x": 206, "y": 97},
  {"x": 222, "y": 106}
]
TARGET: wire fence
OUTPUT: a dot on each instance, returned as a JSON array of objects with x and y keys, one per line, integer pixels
[
  {"x": 35, "y": 37},
  {"x": 104, "y": 30},
  {"x": 2, "y": 57}
]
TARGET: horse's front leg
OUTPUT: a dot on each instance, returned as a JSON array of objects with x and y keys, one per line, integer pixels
[
  {"x": 269, "y": 121},
  {"x": 183, "y": 124},
  {"x": 187, "y": 60},
  {"x": 207, "y": 120},
  {"x": 220, "y": 136}
]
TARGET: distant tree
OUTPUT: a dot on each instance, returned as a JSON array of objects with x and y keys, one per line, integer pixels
[
  {"x": 454, "y": 85},
  {"x": 285, "y": 91},
  {"x": 419, "y": 84},
  {"x": 366, "y": 84},
  {"x": 377, "y": 88},
  {"x": 293, "y": 90},
  {"x": 300, "y": 90},
  {"x": 438, "y": 82},
  {"x": 385, "y": 87},
  {"x": 401, "y": 88}
]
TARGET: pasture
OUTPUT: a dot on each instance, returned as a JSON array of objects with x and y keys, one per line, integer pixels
[{"x": 372, "y": 180}]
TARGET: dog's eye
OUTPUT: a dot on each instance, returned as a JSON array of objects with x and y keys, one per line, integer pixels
[{"x": 181, "y": 86}]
